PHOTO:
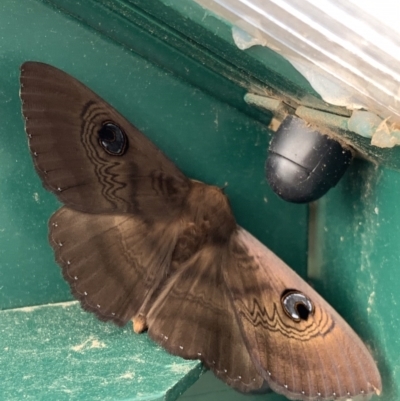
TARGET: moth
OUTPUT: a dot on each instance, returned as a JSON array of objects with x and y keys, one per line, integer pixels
[{"x": 137, "y": 240}]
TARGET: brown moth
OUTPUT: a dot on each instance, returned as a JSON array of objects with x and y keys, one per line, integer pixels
[{"x": 137, "y": 240}]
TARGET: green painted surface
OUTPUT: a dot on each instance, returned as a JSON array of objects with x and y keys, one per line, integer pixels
[
  {"x": 138, "y": 29},
  {"x": 208, "y": 388},
  {"x": 59, "y": 352}
]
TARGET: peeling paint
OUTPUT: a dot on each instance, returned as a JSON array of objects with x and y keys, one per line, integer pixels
[
  {"x": 385, "y": 136},
  {"x": 29, "y": 309},
  {"x": 180, "y": 368},
  {"x": 127, "y": 375},
  {"x": 90, "y": 343},
  {"x": 36, "y": 197}
]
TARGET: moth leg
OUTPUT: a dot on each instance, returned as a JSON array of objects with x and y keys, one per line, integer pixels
[{"x": 139, "y": 323}]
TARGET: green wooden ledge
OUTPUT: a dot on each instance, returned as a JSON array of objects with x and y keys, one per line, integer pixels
[{"x": 60, "y": 352}]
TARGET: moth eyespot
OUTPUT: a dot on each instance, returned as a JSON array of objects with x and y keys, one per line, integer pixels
[
  {"x": 296, "y": 305},
  {"x": 112, "y": 139}
]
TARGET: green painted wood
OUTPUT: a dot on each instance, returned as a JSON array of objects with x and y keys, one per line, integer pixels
[
  {"x": 59, "y": 352},
  {"x": 355, "y": 261},
  {"x": 139, "y": 31},
  {"x": 209, "y": 388},
  {"x": 209, "y": 140}
]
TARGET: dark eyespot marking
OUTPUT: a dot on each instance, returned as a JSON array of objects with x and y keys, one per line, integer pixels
[
  {"x": 112, "y": 139},
  {"x": 296, "y": 305}
]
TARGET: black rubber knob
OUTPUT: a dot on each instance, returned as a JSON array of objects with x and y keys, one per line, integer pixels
[{"x": 304, "y": 164}]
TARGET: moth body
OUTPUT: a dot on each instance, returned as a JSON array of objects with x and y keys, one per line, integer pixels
[
  {"x": 136, "y": 239},
  {"x": 207, "y": 207}
]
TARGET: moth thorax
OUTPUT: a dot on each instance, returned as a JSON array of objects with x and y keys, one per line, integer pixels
[{"x": 210, "y": 208}]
